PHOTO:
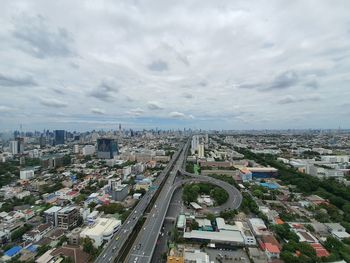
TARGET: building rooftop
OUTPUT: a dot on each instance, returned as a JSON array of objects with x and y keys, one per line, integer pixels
[
  {"x": 101, "y": 226},
  {"x": 223, "y": 236},
  {"x": 53, "y": 209}
]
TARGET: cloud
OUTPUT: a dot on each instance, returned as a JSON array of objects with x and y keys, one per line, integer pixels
[
  {"x": 177, "y": 115},
  {"x": 16, "y": 81},
  {"x": 154, "y": 105},
  {"x": 312, "y": 84},
  {"x": 106, "y": 91},
  {"x": 98, "y": 111},
  {"x": 289, "y": 99},
  {"x": 40, "y": 40},
  {"x": 4, "y": 109},
  {"x": 52, "y": 103},
  {"x": 187, "y": 95},
  {"x": 135, "y": 112},
  {"x": 158, "y": 65},
  {"x": 283, "y": 81}
]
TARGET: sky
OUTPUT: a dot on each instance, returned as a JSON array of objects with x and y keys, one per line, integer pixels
[{"x": 82, "y": 65}]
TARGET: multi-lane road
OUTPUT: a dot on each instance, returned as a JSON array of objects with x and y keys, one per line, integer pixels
[
  {"x": 115, "y": 245},
  {"x": 143, "y": 247}
]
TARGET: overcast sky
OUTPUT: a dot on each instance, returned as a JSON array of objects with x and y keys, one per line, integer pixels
[{"x": 82, "y": 65}]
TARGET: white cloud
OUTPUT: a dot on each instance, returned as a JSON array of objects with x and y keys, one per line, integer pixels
[
  {"x": 177, "y": 115},
  {"x": 98, "y": 111},
  {"x": 53, "y": 103},
  {"x": 5, "y": 108},
  {"x": 154, "y": 105},
  {"x": 146, "y": 59}
]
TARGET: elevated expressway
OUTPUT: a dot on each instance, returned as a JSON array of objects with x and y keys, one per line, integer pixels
[{"x": 144, "y": 245}]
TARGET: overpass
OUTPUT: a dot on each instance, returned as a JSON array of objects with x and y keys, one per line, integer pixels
[
  {"x": 144, "y": 245},
  {"x": 116, "y": 245}
]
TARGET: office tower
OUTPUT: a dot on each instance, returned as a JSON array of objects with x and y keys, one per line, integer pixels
[
  {"x": 107, "y": 148},
  {"x": 20, "y": 144},
  {"x": 42, "y": 141},
  {"x": 60, "y": 137}
]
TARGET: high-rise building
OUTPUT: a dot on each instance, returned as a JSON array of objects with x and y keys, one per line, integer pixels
[
  {"x": 60, "y": 137},
  {"x": 42, "y": 141},
  {"x": 194, "y": 144},
  {"x": 201, "y": 150},
  {"x": 20, "y": 144},
  {"x": 14, "y": 147},
  {"x": 106, "y": 148}
]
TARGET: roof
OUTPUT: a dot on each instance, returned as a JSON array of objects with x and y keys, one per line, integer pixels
[
  {"x": 101, "y": 227},
  {"x": 223, "y": 236},
  {"x": 272, "y": 248},
  {"x": 279, "y": 221},
  {"x": 320, "y": 250},
  {"x": 195, "y": 205},
  {"x": 181, "y": 221},
  {"x": 13, "y": 251},
  {"x": 223, "y": 226},
  {"x": 53, "y": 209}
]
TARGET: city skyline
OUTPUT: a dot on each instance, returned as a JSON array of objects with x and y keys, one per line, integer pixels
[{"x": 91, "y": 65}]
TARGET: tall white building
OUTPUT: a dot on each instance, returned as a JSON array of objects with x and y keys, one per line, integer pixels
[
  {"x": 14, "y": 147},
  {"x": 194, "y": 144},
  {"x": 26, "y": 174},
  {"x": 76, "y": 149},
  {"x": 88, "y": 150},
  {"x": 201, "y": 150}
]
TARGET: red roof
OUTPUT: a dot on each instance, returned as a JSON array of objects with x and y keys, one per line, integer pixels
[
  {"x": 272, "y": 248},
  {"x": 320, "y": 250}
]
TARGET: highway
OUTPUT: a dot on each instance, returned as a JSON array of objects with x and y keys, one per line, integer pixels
[
  {"x": 143, "y": 247},
  {"x": 114, "y": 246}
]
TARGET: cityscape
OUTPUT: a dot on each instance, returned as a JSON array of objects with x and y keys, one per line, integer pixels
[{"x": 174, "y": 131}]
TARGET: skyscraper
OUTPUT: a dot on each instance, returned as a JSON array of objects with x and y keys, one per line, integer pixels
[
  {"x": 14, "y": 147},
  {"x": 60, "y": 137},
  {"x": 20, "y": 144},
  {"x": 107, "y": 148}
]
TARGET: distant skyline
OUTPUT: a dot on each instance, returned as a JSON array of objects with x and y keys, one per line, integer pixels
[{"x": 83, "y": 65}]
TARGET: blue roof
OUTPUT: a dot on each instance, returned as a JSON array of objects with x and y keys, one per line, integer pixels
[
  {"x": 13, "y": 251},
  {"x": 269, "y": 185},
  {"x": 32, "y": 248}
]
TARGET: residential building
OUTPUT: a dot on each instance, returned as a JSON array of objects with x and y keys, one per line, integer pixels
[
  {"x": 67, "y": 217},
  {"x": 26, "y": 174},
  {"x": 88, "y": 150},
  {"x": 51, "y": 215}
]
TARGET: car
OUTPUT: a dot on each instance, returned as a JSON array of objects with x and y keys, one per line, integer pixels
[
  {"x": 114, "y": 248},
  {"x": 104, "y": 255},
  {"x": 117, "y": 238}
]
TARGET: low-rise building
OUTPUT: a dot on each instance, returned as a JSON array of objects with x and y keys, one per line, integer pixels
[{"x": 102, "y": 230}]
